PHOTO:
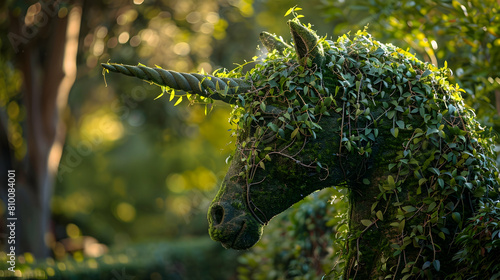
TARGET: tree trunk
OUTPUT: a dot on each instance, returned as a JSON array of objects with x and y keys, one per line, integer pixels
[{"x": 45, "y": 53}]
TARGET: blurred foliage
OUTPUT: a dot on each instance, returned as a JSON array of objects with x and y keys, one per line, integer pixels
[
  {"x": 10, "y": 83},
  {"x": 182, "y": 259},
  {"x": 465, "y": 34}
]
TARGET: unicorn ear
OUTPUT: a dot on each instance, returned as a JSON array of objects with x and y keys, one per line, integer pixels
[
  {"x": 306, "y": 43},
  {"x": 271, "y": 42}
]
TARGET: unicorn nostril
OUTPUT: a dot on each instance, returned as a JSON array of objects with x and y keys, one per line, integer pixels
[{"x": 217, "y": 214}]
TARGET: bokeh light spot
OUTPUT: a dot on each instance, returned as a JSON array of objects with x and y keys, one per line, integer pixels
[
  {"x": 179, "y": 205},
  {"x": 73, "y": 231},
  {"x": 176, "y": 183},
  {"x": 50, "y": 271},
  {"x": 182, "y": 49},
  {"x": 125, "y": 212},
  {"x": 123, "y": 37}
]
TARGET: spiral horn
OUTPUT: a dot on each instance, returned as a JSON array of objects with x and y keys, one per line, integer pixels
[{"x": 224, "y": 89}]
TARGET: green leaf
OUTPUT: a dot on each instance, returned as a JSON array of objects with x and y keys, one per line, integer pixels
[
  {"x": 456, "y": 217},
  {"x": 402, "y": 225},
  {"x": 420, "y": 229},
  {"x": 431, "y": 131},
  {"x": 273, "y": 127},
  {"x": 390, "y": 180},
  {"x": 379, "y": 52},
  {"x": 172, "y": 95},
  {"x": 281, "y": 133},
  {"x": 262, "y": 165},
  {"x": 409, "y": 208},
  {"x": 294, "y": 133},
  {"x": 242, "y": 99},
  {"x": 426, "y": 73},
  {"x": 434, "y": 170},
  {"x": 380, "y": 216},
  {"x": 421, "y": 181},
  {"x": 178, "y": 101},
  {"x": 436, "y": 264},
  {"x": 328, "y": 101},
  {"x": 451, "y": 109},
  {"x": 263, "y": 106},
  {"x": 441, "y": 182},
  {"x": 366, "y": 223},
  {"x": 395, "y": 132},
  {"x": 292, "y": 9},
  {"x": 431, "y": 206},
  {"x": 160, "y": 95},
  {"x": 394, "y": 224},
  {"x": 441, "y": 234}
]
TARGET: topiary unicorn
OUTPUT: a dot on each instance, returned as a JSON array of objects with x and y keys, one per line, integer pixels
[{"x": 370, "y": 117}]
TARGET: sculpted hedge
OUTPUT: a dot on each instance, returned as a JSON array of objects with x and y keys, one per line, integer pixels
[{"x": 367, "y": 116}]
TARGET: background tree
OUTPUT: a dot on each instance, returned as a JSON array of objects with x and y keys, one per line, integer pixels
[{"x": 42, "y": 41}]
